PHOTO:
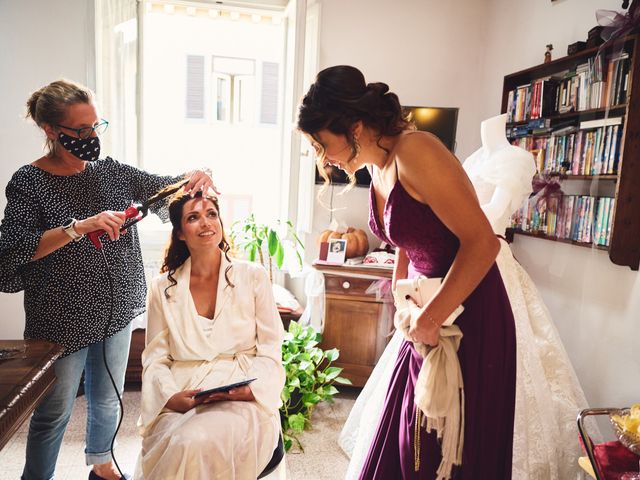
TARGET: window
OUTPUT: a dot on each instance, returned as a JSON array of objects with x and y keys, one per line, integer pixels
[
  {"x": 235, "y": 94},
  {"x": 201, "y": 63},
  {"x": 207, "y": 111}
]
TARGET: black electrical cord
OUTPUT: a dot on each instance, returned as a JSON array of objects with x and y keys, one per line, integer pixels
[{"x": 106, "y": 364}]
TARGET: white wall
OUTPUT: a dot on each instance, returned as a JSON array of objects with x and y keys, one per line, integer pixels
[
  {"x": 594, "y": 303},
  {"x": 416, "y": 48},
  {"x": 41, "y": 42}
]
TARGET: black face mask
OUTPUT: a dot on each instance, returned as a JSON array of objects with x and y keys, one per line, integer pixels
[{"x": 84, "y": 148}]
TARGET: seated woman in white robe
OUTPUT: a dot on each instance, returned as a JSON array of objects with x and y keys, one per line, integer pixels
[{"x": 211, "y": 322}]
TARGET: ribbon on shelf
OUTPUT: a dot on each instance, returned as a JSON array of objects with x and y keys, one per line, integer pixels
[
  {"x": 618, "y": 24},
  {"x": 547, "y": 189}
]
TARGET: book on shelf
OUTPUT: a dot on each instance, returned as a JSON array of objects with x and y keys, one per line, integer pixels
[
  {"x": 580, "y": 218},
  {"x": 594, "y": 149},
  {"x": 601, "y": 122},
  {"x": 591, "y": 85}
]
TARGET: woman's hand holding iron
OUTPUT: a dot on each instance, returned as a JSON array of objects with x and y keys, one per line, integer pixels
[{"x": 109, "y": 221}]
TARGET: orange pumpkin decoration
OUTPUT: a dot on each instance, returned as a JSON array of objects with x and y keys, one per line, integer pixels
[
  {"x": 357, "y": 241},
  {"x": 353, "y": 244},
  {"x": 324, "y": 236}
]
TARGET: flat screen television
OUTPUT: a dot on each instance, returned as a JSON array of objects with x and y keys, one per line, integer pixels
[{"x": 441, "y": 121}]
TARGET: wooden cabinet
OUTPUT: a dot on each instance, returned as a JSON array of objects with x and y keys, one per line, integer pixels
[
  {"x": 133, "y": 375},
  {"x": 356, "y": 322}
]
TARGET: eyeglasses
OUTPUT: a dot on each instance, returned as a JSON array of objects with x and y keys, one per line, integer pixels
[{"x": 86, "y": 132}]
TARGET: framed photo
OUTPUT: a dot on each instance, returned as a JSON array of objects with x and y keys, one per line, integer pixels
[{"x": 337, "y": 250}]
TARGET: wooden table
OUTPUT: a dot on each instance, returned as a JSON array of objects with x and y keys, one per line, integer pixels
[{"x": 24, "y": 381}]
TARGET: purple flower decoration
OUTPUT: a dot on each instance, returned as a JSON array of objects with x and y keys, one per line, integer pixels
[
  {"x": 617, "y": 24},
  {"x": 547, "y": 189}
]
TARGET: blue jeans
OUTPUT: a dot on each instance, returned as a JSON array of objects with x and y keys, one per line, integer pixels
[{"x": 50, "y": 418}]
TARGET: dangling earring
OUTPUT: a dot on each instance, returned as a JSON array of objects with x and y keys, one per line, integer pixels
[{"x": 356, "y": 148}]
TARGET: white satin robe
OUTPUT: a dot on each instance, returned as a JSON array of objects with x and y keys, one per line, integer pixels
[{"x": 220, "y": 440}]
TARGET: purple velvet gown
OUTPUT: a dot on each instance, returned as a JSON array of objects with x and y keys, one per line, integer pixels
[{"x": 487, "y": 357}]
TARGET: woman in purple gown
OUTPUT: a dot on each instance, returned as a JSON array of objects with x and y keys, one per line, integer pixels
[{"x": 423, "y": 203}]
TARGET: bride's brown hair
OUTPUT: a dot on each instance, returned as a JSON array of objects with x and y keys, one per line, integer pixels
[{"x": 176, "y": 252}]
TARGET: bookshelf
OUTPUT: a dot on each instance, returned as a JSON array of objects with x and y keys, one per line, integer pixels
[{"x": 580, "y": 117}]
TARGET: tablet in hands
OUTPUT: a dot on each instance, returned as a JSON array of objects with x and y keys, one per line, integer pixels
[{"x": 223, "y": 388}]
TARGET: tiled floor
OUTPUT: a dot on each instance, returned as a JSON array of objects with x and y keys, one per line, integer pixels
[{"x": 322, "y": 458}]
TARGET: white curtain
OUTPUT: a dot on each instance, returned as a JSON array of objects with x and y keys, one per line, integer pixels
[{"x": 117, "y": 76}]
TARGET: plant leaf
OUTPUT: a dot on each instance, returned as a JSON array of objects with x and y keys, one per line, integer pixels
[
  {"x": 332, "y": 355},
  {"x": 297, "y": 239},
  {"x": 332, "y": 372},
  {"x": 309, "y": 399},
  {"x": 295, "y": 328},
  {"x": 343, "y": 381},
  {"x": 279, "y": 255},
  {"x": 285, "y": 395},
  {"x": 273, "y": 242},
  {"x": 288, "y": 442},
  {"x": 330, "y": 390},
  {"x": 310, "y": 344},
  {"x": 294, "y": 383},
  {"x": 305, "y": 364},
  {"x": 296, "y": 422}
]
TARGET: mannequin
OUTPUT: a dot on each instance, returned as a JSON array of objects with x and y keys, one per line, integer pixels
[
  {"x": 548, "y": 395},
  {"x": 500, "y": 173}
]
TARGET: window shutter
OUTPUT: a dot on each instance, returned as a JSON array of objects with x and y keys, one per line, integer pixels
[
  {"x": 269, "y": 94},
  {"x": 195, "y": 86}
]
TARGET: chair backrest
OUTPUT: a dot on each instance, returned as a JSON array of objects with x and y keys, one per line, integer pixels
[{"x": 278, "y": 455}]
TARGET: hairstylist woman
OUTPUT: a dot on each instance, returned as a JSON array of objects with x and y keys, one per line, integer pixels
[{"x": 52, "y": 203}]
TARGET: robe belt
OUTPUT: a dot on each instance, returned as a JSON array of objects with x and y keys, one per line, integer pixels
[
  {"x": 242, "y": 357},
  {"x": 243, "y": 361}
]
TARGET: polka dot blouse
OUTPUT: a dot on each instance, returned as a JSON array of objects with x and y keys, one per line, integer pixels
[{"x": 66, "y": 294}]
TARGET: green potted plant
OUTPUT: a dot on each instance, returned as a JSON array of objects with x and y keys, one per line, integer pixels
[
  {"x": 310, "y": 377},
  {"x": 310, "y": 380},
  {"x": 278, "y": 243}
]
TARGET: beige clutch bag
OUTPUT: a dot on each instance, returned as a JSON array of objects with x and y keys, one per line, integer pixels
[{"x": 422, "y": 290}]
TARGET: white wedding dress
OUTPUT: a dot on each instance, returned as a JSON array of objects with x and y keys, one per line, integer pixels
[{"x": 548, "y": 394}]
